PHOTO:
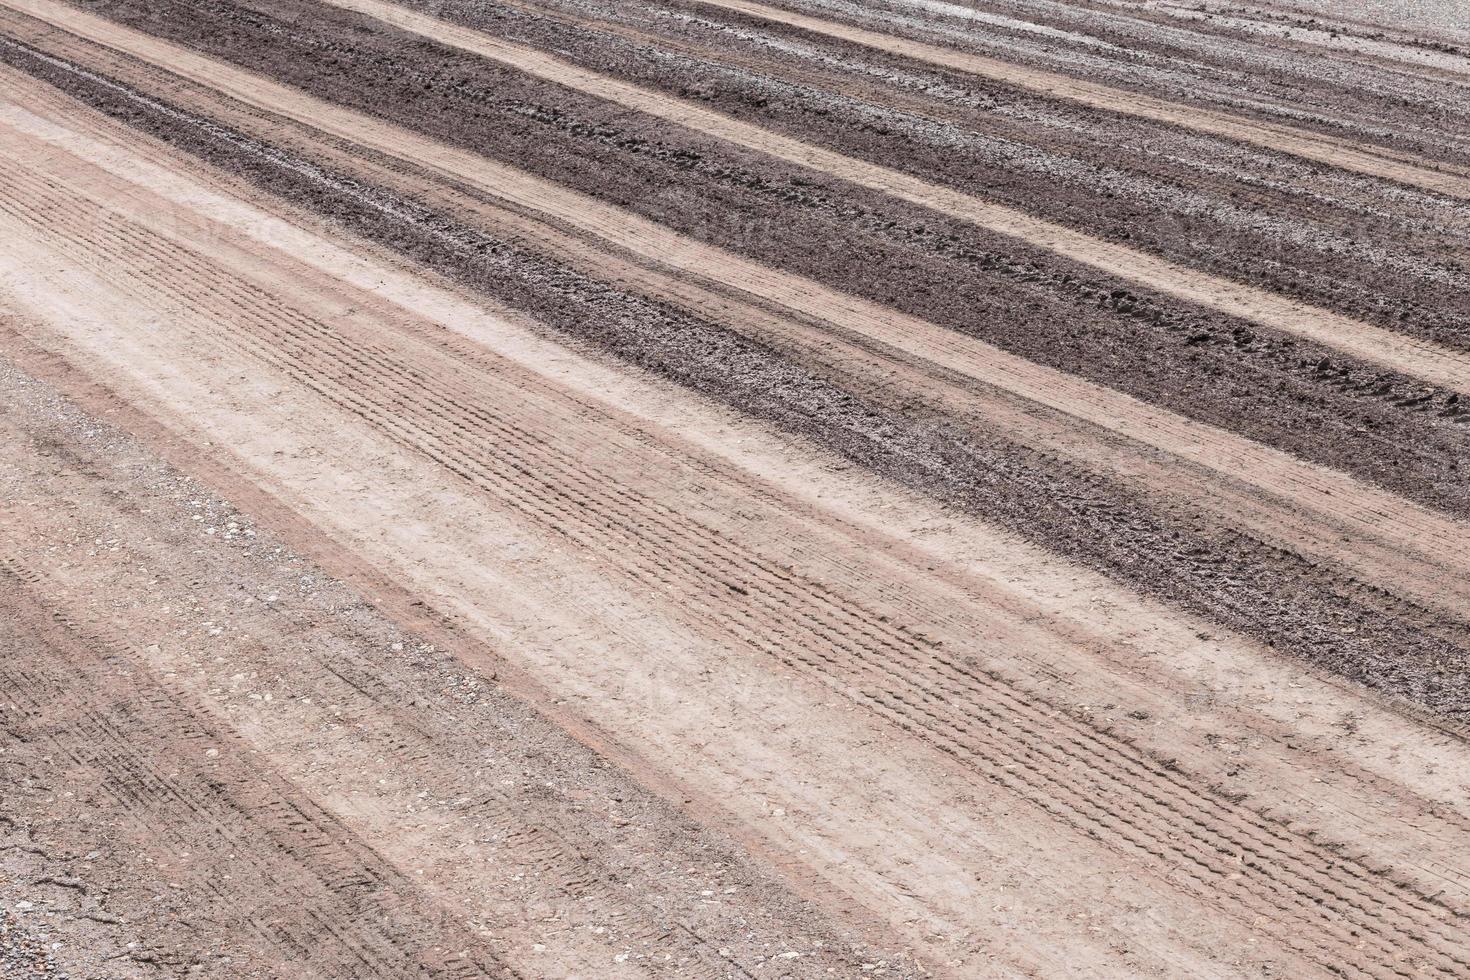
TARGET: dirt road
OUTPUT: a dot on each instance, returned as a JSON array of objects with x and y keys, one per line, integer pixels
[{"x": 682, "y": 488}]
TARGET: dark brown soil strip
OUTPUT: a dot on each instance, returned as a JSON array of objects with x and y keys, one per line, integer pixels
[
  {"x": 1315, "y": 103},
  {"x": 1101, "y": 177},
  {"x": 1393, "y": 431},
  {"x": 1310, "y": 610}
]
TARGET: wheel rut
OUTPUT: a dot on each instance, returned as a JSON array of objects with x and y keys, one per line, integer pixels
[
  {"x": 768, "y": 622},
  {"x": 431, "y": 406}
]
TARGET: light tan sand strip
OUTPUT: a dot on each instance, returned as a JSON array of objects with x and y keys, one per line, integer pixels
[
  {"x": 1395, "y": 352},
  {"x": 1374, "y": 161}
]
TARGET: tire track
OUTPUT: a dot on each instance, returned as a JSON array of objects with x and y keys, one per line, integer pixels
[
  {"x": 335, "y": 263},
  {"x": 748, "y": 766},
  {"x": 457, "y": 425}
]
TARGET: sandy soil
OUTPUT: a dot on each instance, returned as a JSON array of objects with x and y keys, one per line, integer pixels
[{"x": 421, "y": 557}]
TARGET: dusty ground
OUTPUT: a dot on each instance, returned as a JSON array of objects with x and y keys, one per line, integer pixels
[{"x": 709, "y": 488}]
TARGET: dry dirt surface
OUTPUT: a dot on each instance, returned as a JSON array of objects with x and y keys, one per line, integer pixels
[{"x": 717, "y": 488}]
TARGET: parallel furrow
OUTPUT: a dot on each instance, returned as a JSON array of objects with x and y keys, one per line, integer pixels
[
  {"x": 1410, "y": 528},
  {"x": 1375, "y": 161},
  {"x": 1396, "y": 352},
  {"x": 439, "y": 412}
]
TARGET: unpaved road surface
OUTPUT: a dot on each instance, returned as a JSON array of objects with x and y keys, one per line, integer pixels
[{"x": 710, "y": 488}]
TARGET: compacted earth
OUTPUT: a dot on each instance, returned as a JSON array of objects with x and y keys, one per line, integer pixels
[{"x": 717, "y": 488}]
